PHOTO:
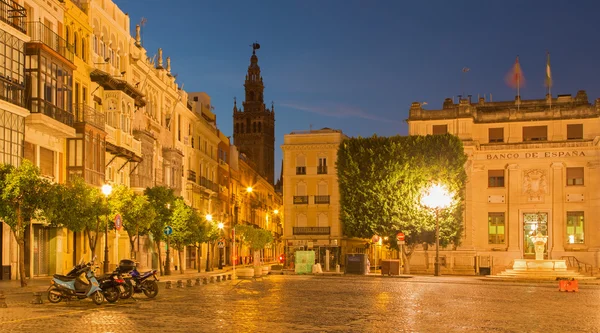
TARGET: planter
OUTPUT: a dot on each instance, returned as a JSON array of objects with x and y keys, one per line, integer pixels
[
  {"x": 257, "y": 271},
  {"x": 244, "y": 273},
  {"x": 265, "y": 270}
]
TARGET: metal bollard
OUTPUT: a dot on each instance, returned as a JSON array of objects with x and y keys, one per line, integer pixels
[
  {"x": 189, "y": 282},
  {"x": 179, "y": 284},
  {"x": 212, "y": 279},
  {"x": 218, "y": 278},
  {"x": 197, "y": 282},
  {"x": 2, "y": 300},
  {"x": 205, "y": 280},
  {"x": 228, "y": 276},
  {"x": 37, "y": 298},
  {"x": 168, "y": 286}
]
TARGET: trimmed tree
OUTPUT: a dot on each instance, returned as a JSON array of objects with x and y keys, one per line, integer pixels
[
  {"x": 21, "y": 196},
  {"x": 183, "y": 222},
  {"x": 162, "y": 199},
  {"x": 256, "y": 239},
  {"x": 381, "y": 181}
]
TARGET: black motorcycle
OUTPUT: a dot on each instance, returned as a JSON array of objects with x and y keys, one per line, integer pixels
[
  {"x": 111, "y": 284},
  {"x": 138, "y": 282}
]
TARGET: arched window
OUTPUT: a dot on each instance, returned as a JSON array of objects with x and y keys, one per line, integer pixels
[
  {"x": 242, "y": 128},
  {"x": 259, "y": 127},
  {"x": 322, "y": 220},
  {"x": 248, "y": 128},
  {"x": 68, "y": 35},
  {"x": 83, "y": 49},
  {"x": 301, "y": 189},
  {"x": 301, "y": 220},
  {"x": 251, "y": 96},
  {"x": 76, "y": 43},
  {"x": 253, "y": 127},
  {"x": 237, "y": 128}
]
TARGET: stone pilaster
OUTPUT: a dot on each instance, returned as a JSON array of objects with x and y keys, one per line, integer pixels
[
  {"x": 513, "y": 225},
  {"x": 558, "y": 215}
]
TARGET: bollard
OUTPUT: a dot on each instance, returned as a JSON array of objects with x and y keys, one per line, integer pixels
[
  {"x": 189, "y": 282},
  {"x": 212, "y": 279},
  {"x": 2, "y": 300},
  {"x": 197, "y": 282},
  {"x": 228, "y": 276},
  {"x": 37, "y": 298},
  {"x": 218, "y": 278},
  {"x": 337, "y": 268},
  {"x": 205, "y": 280},
  {"x": 179, "y": 284},
  {"x": 168, "y": 286}
]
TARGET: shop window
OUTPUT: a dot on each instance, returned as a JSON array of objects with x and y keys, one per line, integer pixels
[
  {"x": 496, "y": 228},
  {"x": 574, "y": 176},
  {"x": 574, "y": 131},
  {"x": 575, "y": 227},
  {"x": 535, "y": 133},
  {"x": 496, "y": 134},
  {"x": 495, "y": 178}
]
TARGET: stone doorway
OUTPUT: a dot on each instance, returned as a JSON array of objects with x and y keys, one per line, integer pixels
[{"x": 532, "y": 223}]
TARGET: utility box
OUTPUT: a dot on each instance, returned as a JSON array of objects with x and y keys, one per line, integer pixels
[
  {"x": 390, "y": 267},
  {"x": 5, "y": 273},
  {"x": 356, "y": 263},
  {"x": 304, "y": 262}
]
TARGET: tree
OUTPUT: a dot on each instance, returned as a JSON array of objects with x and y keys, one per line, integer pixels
[
  {"x": 204, "y": 232},
  {"x": 381, "y": 180},
  {"x": 183, "y": 222},
  {"x": 136, "y": 211},
  {"x": 255, "y": 238},
  {"x": 162, "y": 199},
  {"x": 21, "y": 197}
]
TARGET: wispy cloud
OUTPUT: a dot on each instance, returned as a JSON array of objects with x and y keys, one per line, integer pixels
[{"x": 338, "y": 111}]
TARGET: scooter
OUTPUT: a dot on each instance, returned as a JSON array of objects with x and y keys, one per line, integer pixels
[
  {"x": 111, "y": 284},
  {"x": 82, "y": 284},
  {"x": 138, "y": 282}
]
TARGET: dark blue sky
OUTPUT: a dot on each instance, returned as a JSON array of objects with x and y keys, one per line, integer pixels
[{"x": 358, "y": 65}]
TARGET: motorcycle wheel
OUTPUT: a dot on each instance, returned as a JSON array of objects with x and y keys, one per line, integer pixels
[
  {"x": 111, "y": 294},
  {"x": 127, "y": 290},
  {"x": 54, "y": 295},
  {"x": 97, "y": 297},
  {"x": 150, "y": 288}
]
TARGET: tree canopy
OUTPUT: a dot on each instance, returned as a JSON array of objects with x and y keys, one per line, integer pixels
[{"x": 382, "y": 179}]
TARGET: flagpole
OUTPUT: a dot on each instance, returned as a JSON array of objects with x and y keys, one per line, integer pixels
[
  {"x": 549, "y": 78},
  {"x": 518, "y": 85}
]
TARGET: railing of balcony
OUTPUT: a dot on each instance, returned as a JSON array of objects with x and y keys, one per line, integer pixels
[
  {"x": 41, "y": 106},
  {"x": 13, "y": 14},
  {"x": 322, "y": 169},
  {"x": 300, "y": 199},
  {"x": 192, "y": 176},
  {"x": 12, "y": 93},
  {"x": 41, "y": 33},
  {"x": 300, "y": 170},
  {"x": 311, "y": 230},
  {"x": 321, "y": 199},
  {"x": 87, "y": 114}
]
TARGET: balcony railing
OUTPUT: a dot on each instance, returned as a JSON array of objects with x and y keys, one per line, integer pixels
[
  {"x": 41, "y": 33},
  {"x": 300, "y": 199},
  {"x": 311, "y": 230},
  {"x": 87, "y": 114},
  {"x": 192, "y": 176},
  {"x": 12, "y": 92},
  {"x": 321, "y": 199},
  {"x": 301, "y": 170},
  {"x": 13, "y": 14},
  {"x": 322, "y": 169},
  {"x": 50, "y": 110}
]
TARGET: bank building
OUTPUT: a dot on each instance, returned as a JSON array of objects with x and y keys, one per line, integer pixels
[{"x": 533, "y": 166}]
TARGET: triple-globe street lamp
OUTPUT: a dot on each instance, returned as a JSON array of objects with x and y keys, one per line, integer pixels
[{"x": 436, "y": 197}]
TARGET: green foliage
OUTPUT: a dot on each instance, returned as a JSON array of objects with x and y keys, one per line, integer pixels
[
  {"x": 136, "y": 211},
  {"x": 184, "y": 220},
  {"x": 162, "y": 199},
  {"x": 381, "y": 180},
  {"x": 206, "y": 232},
  {"x": 254, "y": 238}
]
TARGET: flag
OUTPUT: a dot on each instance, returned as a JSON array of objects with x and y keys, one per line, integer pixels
[
  {"x": 548, "y": 73},
  {"x": 515, "y": 77}
]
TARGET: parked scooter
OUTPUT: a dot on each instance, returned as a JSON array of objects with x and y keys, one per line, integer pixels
[
  {"x": 138, "y": 282},
  {"x": 111, "y": 284},
  {"x": 81, "y": 284}
]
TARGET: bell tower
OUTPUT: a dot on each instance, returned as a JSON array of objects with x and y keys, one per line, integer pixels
[{"x": 254, "y": 123}]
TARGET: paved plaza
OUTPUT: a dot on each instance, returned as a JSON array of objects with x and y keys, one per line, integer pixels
[{"x": 290, "y": 303}]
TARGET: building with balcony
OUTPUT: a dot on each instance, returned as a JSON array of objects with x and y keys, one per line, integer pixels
[
  {"x": 532, "y": 167},
  {"x": 311, "y": 195}
]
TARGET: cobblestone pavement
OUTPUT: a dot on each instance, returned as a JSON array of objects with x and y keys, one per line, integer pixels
[{"x": 284, "y": 303}]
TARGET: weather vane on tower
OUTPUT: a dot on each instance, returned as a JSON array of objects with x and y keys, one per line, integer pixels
[{"x": 255, "y": 46}]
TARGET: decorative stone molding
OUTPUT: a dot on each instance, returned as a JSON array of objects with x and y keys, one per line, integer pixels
[{"x": 535, "y": 184}]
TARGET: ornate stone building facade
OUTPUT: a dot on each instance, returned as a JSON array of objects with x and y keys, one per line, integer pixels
[{"x": 532, "y": 166}]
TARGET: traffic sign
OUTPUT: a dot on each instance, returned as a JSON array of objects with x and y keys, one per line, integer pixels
[
  {"x": 400, "y": 237},
  {"x": 118, "y": 222},
  {"x": 168, "y": 230},
  {"x": 221, "y": 243}
]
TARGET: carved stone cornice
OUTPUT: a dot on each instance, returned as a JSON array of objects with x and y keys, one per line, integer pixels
[{"x": 323, "y": 146}]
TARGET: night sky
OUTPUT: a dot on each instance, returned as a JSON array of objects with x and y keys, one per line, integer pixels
[{"x": 358, "y": 65}]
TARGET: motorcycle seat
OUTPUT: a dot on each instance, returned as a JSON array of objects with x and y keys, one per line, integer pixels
[{"x": 64, "y": 277}]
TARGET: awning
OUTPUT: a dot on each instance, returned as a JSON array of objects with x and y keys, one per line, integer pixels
[{"x": 108, "y": 82}]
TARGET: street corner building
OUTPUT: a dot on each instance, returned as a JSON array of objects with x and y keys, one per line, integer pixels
[{"x": 532, "y": 167}]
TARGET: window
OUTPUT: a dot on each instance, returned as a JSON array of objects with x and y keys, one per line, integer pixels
[
  {"x": 574, "y": 131},
  {"x": 300, "y": 165},
  {"x": 495, "y": 178},
  {"x": 575, "y": 227},
  {"x": 574, "y": 176},
  {"x": 496, "y": 134},
  {"x": 535, "y": 133},
  {"x": 440, "y": 129},
  {"x": 322, "y": 167},
  {"x": 301, "y": 220},
  {"x": 495, "y": 228},
  {"x": 12, "y": 69},
  {"x": 322, "y": 220},
  {"x": 46, "y": 162}
]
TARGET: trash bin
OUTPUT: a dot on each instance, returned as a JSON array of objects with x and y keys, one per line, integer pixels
[
  {"x": 356, "y": 263},
  {"x": 390, "y": 267},
  {"x": 5, "y": 273}
]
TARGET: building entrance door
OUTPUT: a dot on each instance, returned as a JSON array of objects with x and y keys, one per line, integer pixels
[
  {"x": 41, "y": 250},
  {"x": 532, "y": 224}
]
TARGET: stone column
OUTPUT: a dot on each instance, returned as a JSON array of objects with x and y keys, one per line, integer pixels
[
  {"x": 513, "y": 226},
  {"x": 557, "y": 226}
]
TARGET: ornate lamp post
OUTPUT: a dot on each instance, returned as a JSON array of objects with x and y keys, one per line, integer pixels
[
  {"x": 106, "y": 190},
  {"x": 436, "y": 198},
  {"x": 221, "y": 226}
]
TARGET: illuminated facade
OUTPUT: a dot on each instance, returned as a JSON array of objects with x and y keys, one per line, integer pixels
[{"x": 532, "y": 166}]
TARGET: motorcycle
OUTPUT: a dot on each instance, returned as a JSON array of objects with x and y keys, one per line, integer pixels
[
  {"x": 111, "y": 284},
  {"x": 81, "y": 284},
  {"x": 138, "y": 282}
]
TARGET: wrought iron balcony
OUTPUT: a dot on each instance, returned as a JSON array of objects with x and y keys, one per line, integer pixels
[
  {"x": 311, "y": 230},
  {"x": 13, "y": 14},
  {"x": 300, "y": 199},
  {"x": 301, "y": 170},
  {"x": 52, "y": 111},
  {"x": 40, "y": 33},
  {"x": 87, "y": 114},
  {"x": 192, "y": 176},
  {"x": 322, "y": 169},
  {"x": 321, "y": 199}
]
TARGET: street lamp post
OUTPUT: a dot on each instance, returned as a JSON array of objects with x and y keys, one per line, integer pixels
[
  {"x": 436, "y": 198},
  {"x": 221, "y": 226},
  {"x": 106, "y": 190}
]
